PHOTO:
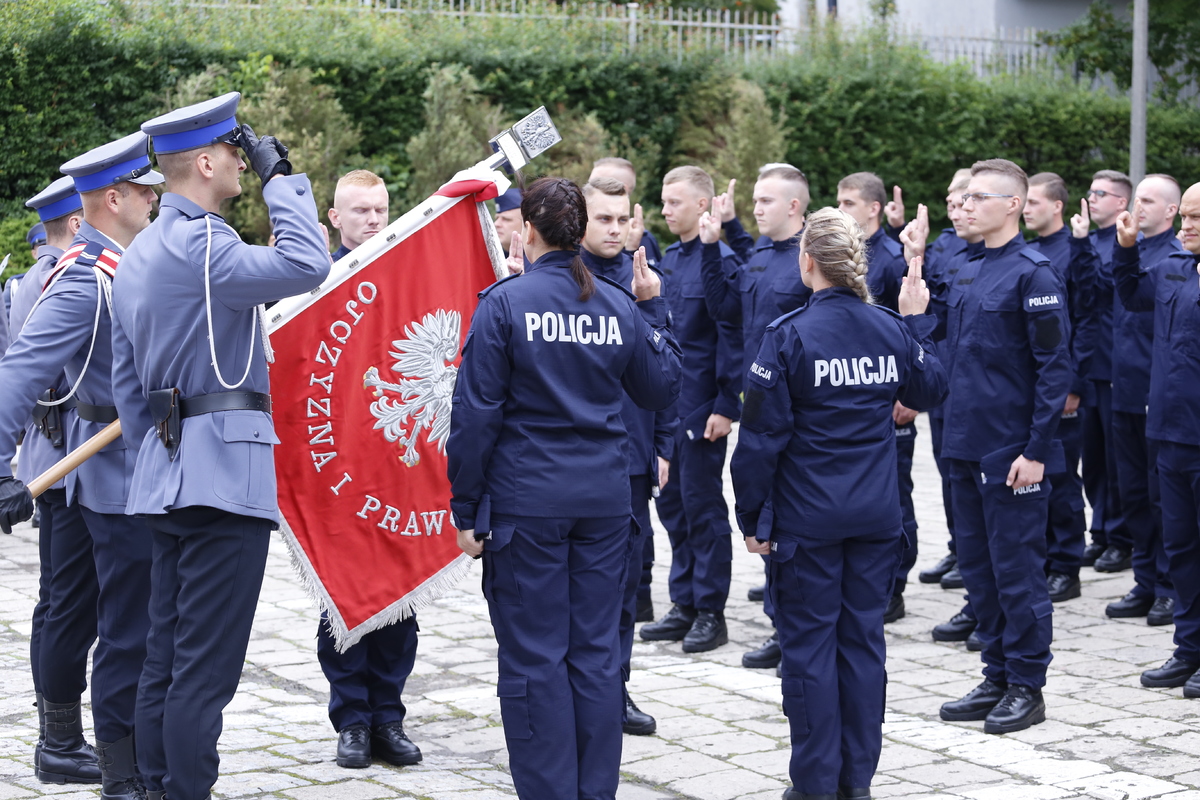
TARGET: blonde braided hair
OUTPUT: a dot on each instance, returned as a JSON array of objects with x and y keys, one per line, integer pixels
[{"x": 837, "y": 245}]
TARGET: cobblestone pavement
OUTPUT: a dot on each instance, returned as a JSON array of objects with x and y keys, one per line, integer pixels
[{"x": 721, "y": 732}]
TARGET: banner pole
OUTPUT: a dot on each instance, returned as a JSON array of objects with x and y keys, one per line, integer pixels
[{"x": 76, "y": 457}]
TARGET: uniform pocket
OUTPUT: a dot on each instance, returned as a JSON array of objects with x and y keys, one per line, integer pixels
[
  {"x": 514, "y": 706},
  {"x": 499, "y": 575},
  {"x": 244, "y": 472},
  {"x": 793, "y": 705}
]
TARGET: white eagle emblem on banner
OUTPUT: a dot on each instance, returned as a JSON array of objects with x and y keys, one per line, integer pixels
[{"x": 421, "y": 400}]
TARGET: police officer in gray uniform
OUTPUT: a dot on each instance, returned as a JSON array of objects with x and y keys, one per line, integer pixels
[
  {"x": 190, "y": 368},
  {"x": 68, "y": 330}
]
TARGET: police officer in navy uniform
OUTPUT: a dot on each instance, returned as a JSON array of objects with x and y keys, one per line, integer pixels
[
  {"x": 818, "y": 419},
  {"x": 1170, "y": 288},
  {"x": 757, "y": 292},
  {"x": 692, "y": 506},
  {"x": 508, "y": 217},
  {"x": 1010, "y": 369},
  {"x": 190, "y": 371},
  {"x": 540, "y": 486},
  {"x": 367, "y": 680},
  {"x": 64, "y": 619},
  {"x": 622, "y": 170},
  {"x": 1065, "y": 531},
  {"x": 1112, "y": 540},
  {"x": 1153, "y": 596},
  {"x": 651, "y": 434},
  {"x": 862, "y": 196},
  {"x": 68, "y": 330}
]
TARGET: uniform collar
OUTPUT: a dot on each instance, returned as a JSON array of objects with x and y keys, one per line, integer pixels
[
  {"x": 1057, "y": 236},
  {"x": 1013, "y": 245},
  {"x": 555, "y": 258},
  {"x": 600, "y": 265},
  {"x": 975, "y": 249},
  {"x": 49, "y": 250},
  {"x": 781, "y": 245},
  {"x": 340, "y": 253},
  {"x": 1158, "y": 239},
  {"x": 833, "y": 293},
  {"x": 88, "y": 233},
  {"x": 687, "y": 248},
  {"x": 184, "y": 206},
  {"x": 1107, "y": 233}
]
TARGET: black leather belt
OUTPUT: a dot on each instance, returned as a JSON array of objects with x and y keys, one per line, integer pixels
[
  {"x": 224, "y": 401},
  {"x": 91, "y": 413}
]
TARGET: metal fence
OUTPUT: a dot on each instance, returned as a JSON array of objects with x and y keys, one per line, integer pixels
[{"x": 739, "y": 34}]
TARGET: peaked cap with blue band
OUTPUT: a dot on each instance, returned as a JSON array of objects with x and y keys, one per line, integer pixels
[
  {"x": 509, "y": 200},
  {"x": 126, "y": 159},
  {"x": 194, "y": 126},
  {"x": 37, "y": 235},
  {"x": 56, "y": 200}
]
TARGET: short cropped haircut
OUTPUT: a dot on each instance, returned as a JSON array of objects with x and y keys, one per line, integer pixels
[
  {"x": 1054, "y": 187},
  {"x": 869, "y": 187},
  {"x": 1174, "y": 191},
  {"x": 176, "y": 167},
  {"x": 1002, "y": 166},
  {"x": 959, "y": 182},
  {"x": 1116, "y": 177},
  {"x": 700, "y": 180},
  {"x": 59, "y": 229},
  {"x": 789, "y": 174},
  {"x": 359, "y": 177},
  {"x": 609, "y": 186},
  {"x": 620, "y": 163}
]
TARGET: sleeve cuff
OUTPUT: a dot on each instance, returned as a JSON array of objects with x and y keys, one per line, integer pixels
[
  {"x": 654, "y": 311},
  {"x": 1037, "y": 450}
]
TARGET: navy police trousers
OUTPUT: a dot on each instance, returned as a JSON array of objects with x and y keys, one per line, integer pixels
[
  {"x": 64, "y": 620},
  {"x": 549, "y": 585},
  {"x": 206, "y": 575},
  {"x": 639, "y": 488},
  {"x": 1137, "y": 474},
  {"x": 830, "y": 596},
  {"x": 1100, "y": 472},
  {"x": 1067, "y": 524},
  {"x": 692, "y": 508},
  {"x": 1002, "y": 556},
  {"x": 366, "y": 681},
  {"x": 121, "y": 546},
  {"x": 906, "y": 443},
  {"x": 1179, "y": 483}
]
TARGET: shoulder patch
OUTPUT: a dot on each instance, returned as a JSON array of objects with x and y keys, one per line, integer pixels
[
  {"x": 1044, "y": 301},
  {"x": 765, "y": 374},
  {"x": 613, "y": 283},
  {"x": 505, "y": 279},
  {"x": 780, "y": 320}
]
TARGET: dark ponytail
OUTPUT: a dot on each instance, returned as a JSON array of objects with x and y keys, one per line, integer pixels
[{"x": 557, "y": 210}]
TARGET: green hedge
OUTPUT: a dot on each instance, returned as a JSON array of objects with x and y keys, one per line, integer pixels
[{"x": 77, "y": 73}]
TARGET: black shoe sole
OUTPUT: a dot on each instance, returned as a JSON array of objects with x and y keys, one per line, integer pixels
[
  {"x": 1111, "y": 568},
  {"x": 54, "y": 777},
  {"x": 761, "y": 663},
  {"x": 1164, "y": 683},
  {"x": 956, "y": 636},
  {"x": 952, "y": 584},
  {"x": 930, "y": 577},
  {"x": 974, "y": 647},
  {"x": 755, "y": 595},
  {"x": 656, "y": 636},
  {"x": 1012, "y": 727},
  {"x": 1070, "y": 595},
  {"x": 400, "y": 762},
  {"x": 1191, "y": 691},
  {"x": 639, "y": 730},
  {"x": 963, "y": 716},
  {"x": 1125, "y": 613},
  {"x": 706, "y": 646},
  {"x": 1159, "y": 621}
]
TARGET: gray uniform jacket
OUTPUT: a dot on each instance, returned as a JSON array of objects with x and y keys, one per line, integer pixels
[{"x": 160, "y": 341}]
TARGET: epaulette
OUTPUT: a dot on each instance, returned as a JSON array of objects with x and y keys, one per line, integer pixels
[
  {"x": 893, "y": 247},
  {"x": 780, "y": 320},
  {"x": 611, "y": 282},
  {"x": 505, "y": 279},
  {"x": 1036, "y": 256},
  {"x": 88, "y": 255}
]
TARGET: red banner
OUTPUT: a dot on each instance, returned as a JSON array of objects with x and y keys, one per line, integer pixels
[{"x": 361, "y": 387}]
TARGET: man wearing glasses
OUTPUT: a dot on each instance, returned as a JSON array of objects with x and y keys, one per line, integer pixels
[
  {"x": 1010, "y": 369},
  {"x": 1112, "y": 540}
]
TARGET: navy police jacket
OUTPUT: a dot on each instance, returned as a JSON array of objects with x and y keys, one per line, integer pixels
[
  {"x": 1133, "y": 333},
  {"x": 651, "y": 433},
  {"x": 755, "y": 293},
  {"x": 1093, "y": 255},
  {"x": 1007, "y": 354},
  {"x": 37, "y": 454},
  {"x": 160, "y": 341},
  {"x": 885, "y": 269},
  {"x": 816, "y": 454},
  {"x": 536, "y": 427},
  {"x": 69, "y": 332},
  {"x": 712, "y": 351},
  {"x": 1171, "y": 291},
  {"x": 1081, "y": 302}
]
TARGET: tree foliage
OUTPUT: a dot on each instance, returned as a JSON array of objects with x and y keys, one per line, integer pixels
[{"x": 1101, "y": 43}]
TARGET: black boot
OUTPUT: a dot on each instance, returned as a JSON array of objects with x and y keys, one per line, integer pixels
[
  {"x": 37, "y": 748},
  {"x": 636, "y": 722},
  {"x": 118, "y": 770},
  {"x": 66, "y": 755}
]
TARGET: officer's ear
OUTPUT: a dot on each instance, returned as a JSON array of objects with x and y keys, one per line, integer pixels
[
  {"x": 334, "y": 220},
  {"x": 205, "y": 163},
  {"x": 527, "y": 234},
  {"x": 73, "y": 223}
]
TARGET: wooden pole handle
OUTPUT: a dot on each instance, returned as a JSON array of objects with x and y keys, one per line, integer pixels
[{"x": 73, "y": 459}]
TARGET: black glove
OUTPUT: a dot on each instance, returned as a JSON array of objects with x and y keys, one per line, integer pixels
[
  {"x": 16, "y": 503},
  {"x": 267, "y": 156}
]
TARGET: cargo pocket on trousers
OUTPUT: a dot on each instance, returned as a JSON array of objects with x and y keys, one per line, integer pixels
[
  {"x": 499, "y": 575},
  {"x": 514, "y": 707},
  {"x": 793, "y": 705}
]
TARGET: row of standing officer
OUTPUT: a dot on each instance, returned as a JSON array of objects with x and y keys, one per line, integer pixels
[{"x": 182, "y": 507}]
